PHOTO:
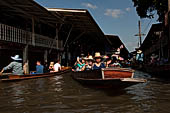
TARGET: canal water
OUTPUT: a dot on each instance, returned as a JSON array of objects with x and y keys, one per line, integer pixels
[{"x": 61, "y": 94}]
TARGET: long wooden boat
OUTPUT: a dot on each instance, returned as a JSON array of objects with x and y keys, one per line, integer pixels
[
  {"x": 97, "y": 79},
  {"x": 11, "y": 77}
]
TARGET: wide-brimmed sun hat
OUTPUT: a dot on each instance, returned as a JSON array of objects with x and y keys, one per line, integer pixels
[
  {"x": 154, "y": 56},
  {"x": 90, "y": 58},
  {"x": 139, "y": 51},
  {"x": 97, "y": 55},
  {"x": 16, "y": 57},
  {"x": 84, "y": 58},
  {"x": 105, "y": 57},
  {"x": 82, "y": 54}
]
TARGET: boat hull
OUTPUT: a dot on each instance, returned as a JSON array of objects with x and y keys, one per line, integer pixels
[
  {"x": 33, "y": 76},
  {"x": 95, "y": 79},
  {"x": 106, "y": 83}
]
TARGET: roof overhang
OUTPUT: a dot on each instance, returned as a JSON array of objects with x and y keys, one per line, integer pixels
[
  {"x": 80, "y": 19},
  {"x": 152, "y": 34},
  {"x": 29, "y": 9}
]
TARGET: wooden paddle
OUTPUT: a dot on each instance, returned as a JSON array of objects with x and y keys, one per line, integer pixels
[
  {"x": 3, "y": 75},
  {"x": 1, "y": 72}
]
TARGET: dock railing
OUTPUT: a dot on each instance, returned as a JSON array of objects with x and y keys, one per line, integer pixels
[{"x": 12, "y": 34}]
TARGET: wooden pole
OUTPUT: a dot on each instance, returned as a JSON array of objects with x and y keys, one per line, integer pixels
[
  {"x": 33, "y": 31},
  {"x": 140, "y": 34},
  {"x": 68, "y": 37},
  {"x": 169, "y": 28},
  {"x": 25, "y": 60},
  {"x": 168, "y": 5},
  {"x": 45, "y": 56},
  {"x": 140, "y": 40},
  {"x": 57, "y": 36},
  {"x": 67, "y": 55},
  {"x": 76, "y": 38}
]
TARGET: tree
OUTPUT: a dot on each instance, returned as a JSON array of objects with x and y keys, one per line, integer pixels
[{"x": 147, "y": 8}]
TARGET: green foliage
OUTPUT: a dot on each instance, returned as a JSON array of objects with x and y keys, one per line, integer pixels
[{"x": 147, "y": 8}]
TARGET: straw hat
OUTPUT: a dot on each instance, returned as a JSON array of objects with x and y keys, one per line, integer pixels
[
  {"x": 82, "y": 54},
  {"x": 154, "y": 56},
  {"x": 90, "y": 58},
  {"x": 97, "y": 55},
  {"x": 139, "y": 51},
  {"x": 16, "y": 58},
  {"x": 84, "y": 58},
  {"x": 51, "y": 63},
  {"x": 105, "y": 57}
]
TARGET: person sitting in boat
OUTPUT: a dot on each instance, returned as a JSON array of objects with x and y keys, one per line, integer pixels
[
  {"x": 46, "y": 67},
  {"x": 108, "y": 63},
  {"x": 89, "y": 63},
  {"x": 57, "y": 66},
  {"x": 39, "y": 68},
  {"x": 15, "y": 65},
  {"x": 116, "y": 64},
  {"x": 98, "y": 64},
  {"x": 139, "y": 57},
  {"x": 51, "y": 67},
  {"x": 79, "y": 65},
  {"x": 106, "y": 60}
]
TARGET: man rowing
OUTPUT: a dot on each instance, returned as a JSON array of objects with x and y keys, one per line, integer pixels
[{"x": 15, "y": 65}]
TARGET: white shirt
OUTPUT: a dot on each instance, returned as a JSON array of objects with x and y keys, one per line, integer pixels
[{"x": 57, "y": 66}]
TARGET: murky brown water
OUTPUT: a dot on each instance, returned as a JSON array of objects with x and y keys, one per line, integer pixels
[{"x": 61, "y": 94}]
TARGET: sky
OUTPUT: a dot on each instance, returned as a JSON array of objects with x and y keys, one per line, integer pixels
[{"x": 114, "y": 17}]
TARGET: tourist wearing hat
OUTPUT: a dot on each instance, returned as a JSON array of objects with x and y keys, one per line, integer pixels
[
  {"x": 139, "y": 56},
  {"x": 89, "y": 63},
  {"x": 98, "y": 64},
  {"x": 79, "y": 65},
  {"x": 90, "y": 58},
  {"x": 106, "y": 60},
  {"x": 15, "y": 65}
]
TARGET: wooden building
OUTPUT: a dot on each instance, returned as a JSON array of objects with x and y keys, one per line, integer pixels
[
  {"x": 28, "y": 29},
  {"x": 156, "y": 42},
  {"x": 156, "y": 49},
  {"x": 80, "y": 32}
]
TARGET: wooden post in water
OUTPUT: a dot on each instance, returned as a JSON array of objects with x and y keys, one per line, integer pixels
[
  {"x": 55, "y": 40},
  {"x": 67, "y": 46},
  {"x": 67, "y": 56},
  {"x": 45, "y": 56},
  {"x": 33, "y": 31},
  {"x": 25, "y": 60},
  {"x": 57, "y": 36},
  {"x": 169, "y": 28},
  {"x": 168, "y": 5}
]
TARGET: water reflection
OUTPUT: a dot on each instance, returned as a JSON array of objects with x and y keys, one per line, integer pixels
[{"x": 61, "y": 94}]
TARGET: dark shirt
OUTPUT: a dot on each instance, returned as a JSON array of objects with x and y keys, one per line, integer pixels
[
  {"x": 39, "y": 69},
  {"x": 102, "y": 65}
]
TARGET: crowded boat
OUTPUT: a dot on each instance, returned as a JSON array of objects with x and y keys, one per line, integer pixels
[{"x": 97, "y": 62}]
